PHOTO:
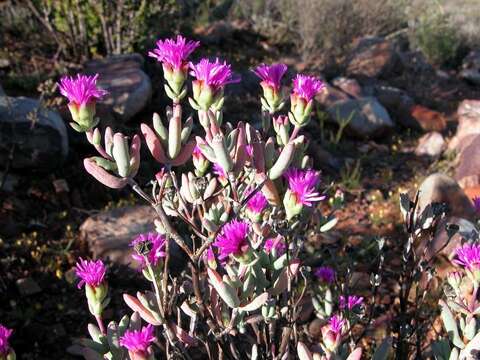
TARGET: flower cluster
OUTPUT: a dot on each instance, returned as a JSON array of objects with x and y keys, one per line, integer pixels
[
  {"x": 233, "y": 240},
  {"x": 90, "y": 272}
]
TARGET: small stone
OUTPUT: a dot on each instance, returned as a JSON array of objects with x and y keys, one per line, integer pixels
[
  {"x": 348, "y": 86},
  {"x": 60, "y": 186},
  {"x": 468, "y": 114},
  {"x": 431, "y": 144},
  {"x": 467, "y": 172},
  {"x": 28, "y": 286}
]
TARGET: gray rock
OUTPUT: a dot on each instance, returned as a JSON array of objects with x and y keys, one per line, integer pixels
[
  {"x": 38, "y": 136},
  {"x": 471, "y": 68},
  {"x": 109, "y": 233},
  {"x": 373, "y": 57},
  {"x": 441, "y": 188},
  {"x": 129, "y": 88},
  {"x": 431, "y": 144},
  {"x": 2, "y": 92},
  {"x": 442, "y": 245},
  {"x": 398, "y": 104},
  {"x": 28, "y": 286},
  {"x": 468, "y": 114},
  {"x": 368, "y": 117}
]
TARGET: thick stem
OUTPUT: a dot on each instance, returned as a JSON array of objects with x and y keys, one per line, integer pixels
[{"x": 100, "y": 324}]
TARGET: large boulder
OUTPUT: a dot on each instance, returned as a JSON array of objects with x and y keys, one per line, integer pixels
[
  {"x": 129, "y": 88},
  {"x": 467, "y": 172},
  {"x": 441, "y": 188},
  {"x": 36, "y": 137},
  {"x": 109, "y": 233},
  {"x": 368, "y": 118},
  {"x": 468, "y": 114},
  {"x": 431, "y": 144},
  {"x": 373, "y": 57}
]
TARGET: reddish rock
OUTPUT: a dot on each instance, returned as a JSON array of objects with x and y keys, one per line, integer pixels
[
  {"x": 373, "y": 57},
  {"x": 468, "y": 114},
  {"x": 330, "y": 96},
  {"x": 429, "y": 120},
  {"x": 441, "y": 188},
  {"x": 467, "y": 172}
]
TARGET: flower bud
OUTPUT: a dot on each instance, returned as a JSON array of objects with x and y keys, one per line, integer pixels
[{"x": 121, "y": 154}]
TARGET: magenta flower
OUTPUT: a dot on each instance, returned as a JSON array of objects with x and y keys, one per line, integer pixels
[
  {"x": 468, "y": 256},
  {"x": 325, "y": 274},
  {"x": 214, "y": 74},
  {"x": 271, "y": 75},
  {"x": 306, "y": 87},
  {"x": 90, "y": 272},
  {"x": 151, "y": 246},
  {"x": 257, "y": 203},
  {"x": 81, "y": 90},
  {"x": 476, "y": 203},
  {"x": 197, "y": 153},
  {"x": 174, "y": 53},
  {"x": 249, "y": 150},
  {"x": 218, "y": 170},
  {"x": 138, "y": 341},
  {"x": 277, "y": 243},
  {"x": 233, "y": 239},
  {"x": 351, "y": 302},
  {"x": 332, "y": 333},
  {"x": 303, "y": 183},
  {"x": 4, "y": 336}
]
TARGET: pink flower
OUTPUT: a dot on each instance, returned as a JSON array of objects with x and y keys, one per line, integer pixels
[
  {"x": 306, "y": 87},
  {"x": 174, "y": 53},
  {"x": 303, "y": 183},
  {"x": 476, "y": 203},
  {"x": 277, "y": 244},
  {"x": 197, "y": 153},
  {"x": 351, "y": 302},
  {"x": 151, "y": 246},
  {"x": 468, "y": 256},
  {"x": 271, "y": 75},
  {"x": 233, "y": 239},
  {"x": 214, "y": 74},
  {"x": 249, "y": 150},
  {"x": 325, "y": 274},
  {"x": 218, "y": 170},
  {"x": 257, "y": 203},
  {"x": 4, "y": 336},
  {"x": 81, "y": 90},
  {"x": 138, "y": 341},
  {"x": 332, "y": 333},
  {"x": 90, "y": 272}
]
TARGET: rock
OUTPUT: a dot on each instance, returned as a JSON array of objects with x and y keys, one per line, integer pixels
[
  {"x": 348, "y": 86},
  {"x": 441, "y": 243},
  {"x": 28, "y": 286},
  {"x": 468, "y": 114},
  {"x": 331, "y": 96},
  {"x": 109, "y": 233},
  {"x": 431, "y": 144},
  {"x": 467, "y": 172},
  {"x": 129, "y": 88},
  {"x": 471, "y": 68},
  {"x": 2, "y": 92},
  {"x": 37, "y": 135},
  {"x": 429, "y": 120},
  {"x": 398, "y": 104},
  {"x": 373, "y": 57},
  {"x": 215, "y": 33},
  {"x": 11, "y": 182},
  {"x": 368, "y": 117},
  {"x": 441, "y": 188}
]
